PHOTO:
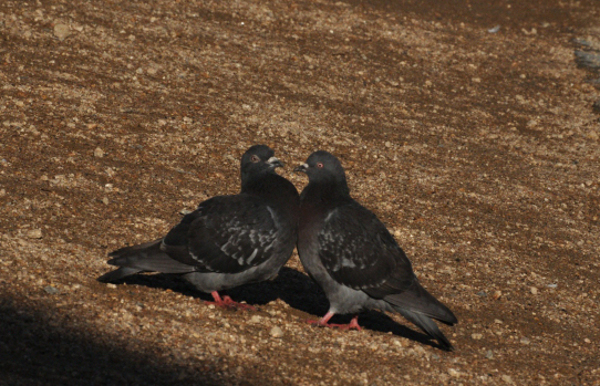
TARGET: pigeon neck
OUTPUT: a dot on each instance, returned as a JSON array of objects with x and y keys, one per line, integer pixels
[
  {"x": 328, "y": 190},
  {"x": 267, "y": 185}
]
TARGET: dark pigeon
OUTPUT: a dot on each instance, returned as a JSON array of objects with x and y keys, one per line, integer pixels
[
  {"x": 352, "y": 256},
  {"x": 227, "y": 241}
]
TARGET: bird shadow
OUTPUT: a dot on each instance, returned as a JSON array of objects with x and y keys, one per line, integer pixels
[
  {"x": 293, "y": 287},
  {"x": 296, "y": 289}
]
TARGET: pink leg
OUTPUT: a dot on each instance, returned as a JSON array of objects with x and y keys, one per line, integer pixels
[
  {"x": 323, "y": 323},
  {"x": 226, "y": 302}
]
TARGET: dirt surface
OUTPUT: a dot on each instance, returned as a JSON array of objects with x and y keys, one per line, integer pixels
[{"x": 467, "y": 126}]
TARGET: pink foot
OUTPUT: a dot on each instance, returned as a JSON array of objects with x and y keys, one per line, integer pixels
[
  {"x": 353, "y": 325},
  {"x": 226, "y": 302}
]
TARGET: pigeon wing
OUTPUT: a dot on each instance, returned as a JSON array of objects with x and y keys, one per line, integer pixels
[
  {"x": 227, "y": 234},
  {"x": 175, "y": 243},
  {"x": 359, "y": 252}
]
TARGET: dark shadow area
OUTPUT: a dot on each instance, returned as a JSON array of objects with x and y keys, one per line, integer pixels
[
  {"x": 291, "y": 286},
  {"x": 381, "y": 322},
  {"x": 36, "y": 349},
  {"x": 378, "y": 321},
  {"x": 295, "y": 289}
]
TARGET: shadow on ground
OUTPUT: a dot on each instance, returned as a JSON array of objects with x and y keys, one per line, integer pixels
[
  {"x": 294, "y": 288},
  {"x": 59, "y": 354}
]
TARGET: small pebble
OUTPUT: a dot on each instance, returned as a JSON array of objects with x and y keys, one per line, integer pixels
[
  {"x": 533, "y": 290},
  {"x": 111, "y": 286},
  {"x": 453, "y": 373},
  {"x": 276, "y": 332},
  {"x": 525, "y": 341},
  {"x": 482, "y": 294},
  {"x": 51, "y": 290},
  {"x": 507, "y": 379},
  {"x": 255, "y": 319},
  {"x": 476, "y": 336},
  {"x": 61, "y": 31},
  {"x": 98, "y": 153},
  {"x": 489, "y": 354},
  {"x": 105, "y": 201},
  {"x": 34, "y": 234}
]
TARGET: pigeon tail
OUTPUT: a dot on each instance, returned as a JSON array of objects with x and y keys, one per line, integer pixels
[
  {"x": 118, "y": 274},
  {"x": 416, "y": 299},
  {"x": 142, "y": 258},
  {"x": 428, "y": 326}
]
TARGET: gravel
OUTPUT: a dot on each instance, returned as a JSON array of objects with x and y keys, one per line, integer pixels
[{"x": 479, "y": 151}]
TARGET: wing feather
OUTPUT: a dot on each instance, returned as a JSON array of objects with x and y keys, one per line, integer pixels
[
  {"x": 358, "y": 251},
  {"x": 227, "y": 234}
]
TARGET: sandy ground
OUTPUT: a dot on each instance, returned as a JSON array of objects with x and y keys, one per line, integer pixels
[{"x": 467, "y": 126}]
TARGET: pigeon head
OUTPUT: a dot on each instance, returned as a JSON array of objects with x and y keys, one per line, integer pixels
[
  {"x": 323, "y": 167},
  {"x": 256, "y": 160}
]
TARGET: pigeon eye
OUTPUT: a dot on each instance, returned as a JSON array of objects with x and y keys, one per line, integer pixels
[
  {"x": 254, "y": 159},
  {"x": 319, "y": 165}
]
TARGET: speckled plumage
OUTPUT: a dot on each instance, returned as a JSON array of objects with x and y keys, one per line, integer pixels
[
  {"x": 352, "y": 256},
  {"x": 227, "y": 241}
]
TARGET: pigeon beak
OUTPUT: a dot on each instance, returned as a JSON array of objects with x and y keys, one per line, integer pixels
[
  {"x": 274, "y": 162},
  {"x": 301, "y": 169}
]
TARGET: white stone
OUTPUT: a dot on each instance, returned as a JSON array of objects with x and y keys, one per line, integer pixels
[
  {"x": 61, "y": 31},
  {"x": 276, "y": 332}
]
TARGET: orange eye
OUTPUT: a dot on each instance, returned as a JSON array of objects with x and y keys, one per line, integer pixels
[
  {"x": 254, "y": 159},
  {"x": 319, "y": 165}
]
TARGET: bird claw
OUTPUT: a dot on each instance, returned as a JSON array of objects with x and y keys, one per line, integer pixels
[
  {"x": 227, "y": 302},
  {"x": 353, "y": 325}
]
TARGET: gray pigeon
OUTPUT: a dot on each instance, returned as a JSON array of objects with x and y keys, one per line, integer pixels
[
  {"x": 346, "y": 249},
  {"x": 227, "y": 241}
]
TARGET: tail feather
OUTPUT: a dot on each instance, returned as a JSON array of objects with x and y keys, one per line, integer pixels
[
  {"x": 133, "y": 250},
  {"x": 147, "y": 257},
  {"x": 118, "y": 274},
  {"x": 417, "y": 300},
  {"x": 427, "y": 325},
  {"x": 419, "y": 307}
]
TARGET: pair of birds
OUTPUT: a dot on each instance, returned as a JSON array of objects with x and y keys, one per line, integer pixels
[{"x": 233, "y": 240}]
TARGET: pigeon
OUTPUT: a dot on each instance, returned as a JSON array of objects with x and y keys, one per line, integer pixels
[
  {"x": 348, "y": 251},
  {"x": 228, "y": 240}
]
